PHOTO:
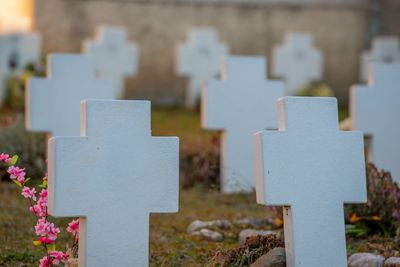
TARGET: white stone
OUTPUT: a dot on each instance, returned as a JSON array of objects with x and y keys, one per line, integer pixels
[
  {"x": 114, "y": 56},
  {"x": 241, "y": 104},
  {"x": 298, "y": 61},
  {"x": 209, "y": 235},
  {"x": 200, "y": 60},
  {"x": 392, "y": 262},
  {"x": 385, "y": 49},
  {"x": 17, "y": 51},
  {"x": 113, "y": 177},
  {"x": 366, "y": 260},
  {"x": 273, "y": 258},
  {"x": 312, "y": 169},
  {"x": 198, "y": 225},
  {"x": 53, "y": 103},
  {"x": 374, "y": 109}
]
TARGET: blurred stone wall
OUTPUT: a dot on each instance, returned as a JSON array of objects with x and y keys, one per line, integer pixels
[{"x": 249, "y": 27}]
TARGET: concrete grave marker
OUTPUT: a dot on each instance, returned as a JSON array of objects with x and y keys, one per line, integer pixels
[
  {"x": 374, "y": 109},
  {"x": 385, "y": 49},
  {"x": 312, "y": 169},
  {"x": 114, "y": 57},
  {"x": 113, "y": 177},
  {"x": 200, "y": 58},
  {"x": 17, "y": 50},
  {"x": 52, "y": 104},
  {"x": 298, "y": 61},
  {"x": 240, "y": 104}
]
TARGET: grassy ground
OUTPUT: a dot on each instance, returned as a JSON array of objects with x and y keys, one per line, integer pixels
[
  {"x": 183, "y": 123},
  {"x": 170, "y": 244}
]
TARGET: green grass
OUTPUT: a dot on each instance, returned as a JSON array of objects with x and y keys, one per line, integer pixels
[
  {"x": 172, "y": 246},
  {"x": 183, "y": 123}
]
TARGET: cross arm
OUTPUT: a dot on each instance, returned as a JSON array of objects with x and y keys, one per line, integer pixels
[
  {"x": 214, "y": 104},
  {"x": 183, "y": 59},
  {"x": 68, "y": 174},
  {"x": 279, "y": 61},
  {"x": 316, "y": 67},
  {"x": 131, "y": 65},
  {"x": 165, "y": 172},
  {"x": 38, "y": 104},
  {"x": 350, "y": 169},
  {"x": 272, "y": 175},
  {"x": 360, "y": 109}
]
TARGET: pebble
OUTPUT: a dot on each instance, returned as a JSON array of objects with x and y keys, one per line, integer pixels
[
  {"x": 198, "y": 225},
  {"x": 392, "y": 262},
  {"x": 209, "y": 235},
  {"x": 365, "y": 260},
  {"x": 274, "y": 258}
]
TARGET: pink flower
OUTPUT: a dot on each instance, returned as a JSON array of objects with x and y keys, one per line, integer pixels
[
  {"x": 46, "y": 230},
  {"x": 5, "y": 157},
  {"x": 29, "y": 193},
  {"x": 17, "y": 173},
  {"x": 73, "y": 227},
  {"x": 52, "y": 232},
  {"x": 45, "y": 240},
  {"x": 44, "y": 262},
  {"x": 43, "y": 194},
  {"x": 58, "y": 256},
  {"x": 53, "y": 258},
  {"x": 40, "y": 209},
  {"x": 41, "y": 227}
]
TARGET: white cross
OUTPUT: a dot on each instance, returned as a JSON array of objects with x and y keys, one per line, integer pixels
[
  {"x": 312, "y": 169},
  {"x": 17, "y": 50},
  {"x": 375, "y": 110},
  {"x": 114, "y": 175},
  {"x": 200, "y": 59},
  {"x": 240, "y": 104},
  {"x": 385, "y": 49},
  {"x": 114, "y": 57},
  {"x": 297, "y": 61},
  {"x": 52, "y": 104}
]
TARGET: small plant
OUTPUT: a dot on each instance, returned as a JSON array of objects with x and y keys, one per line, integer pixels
[
  {"x": 45, "y": 230},
  {"x": 31, "y": 147},
  {"x": 382, "y": 211},
  {"x": 16, "y": 86},
  {"x": 254, "y": 248},
  {"x": 381, "y": 214},
  {"x": 316, "y": 89},
  {"x": 202, "y": 168}
]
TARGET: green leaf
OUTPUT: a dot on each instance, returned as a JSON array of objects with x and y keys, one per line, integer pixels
[
  {"x": 51, "y": 247},
  {"x": 44, "y": 184},
  {"x": 17, "y": 183},
  {"x": 14, "y": 160},
  {"x": 27, "y": 180}
]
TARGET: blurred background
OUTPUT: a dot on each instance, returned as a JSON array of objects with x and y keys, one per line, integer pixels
[{"x": 342, "y": 29}]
